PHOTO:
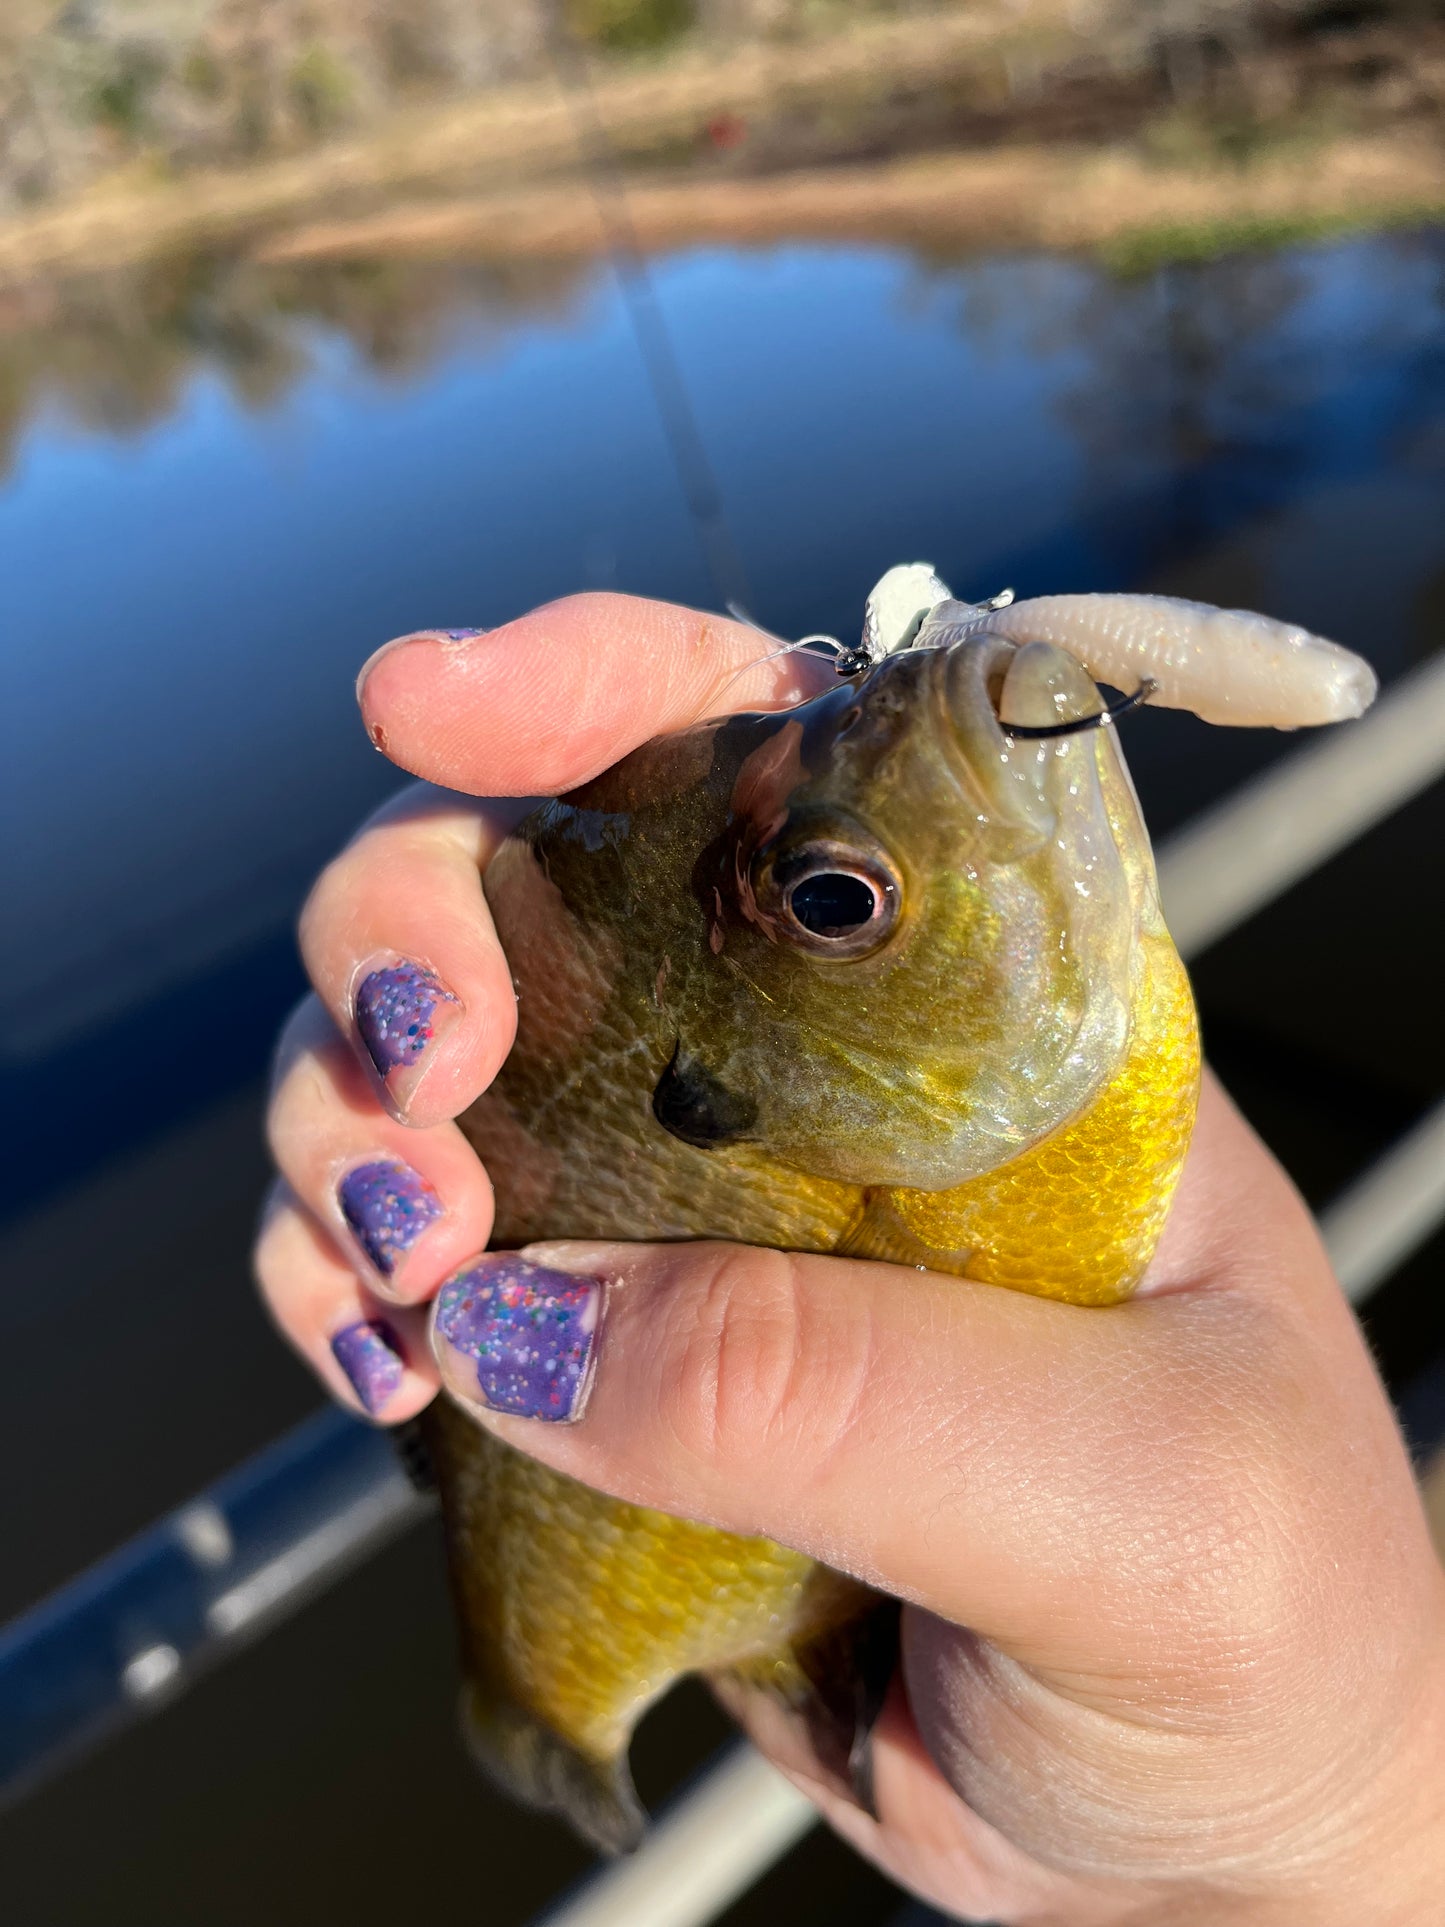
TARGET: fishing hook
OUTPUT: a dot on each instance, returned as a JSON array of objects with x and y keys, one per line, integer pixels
[{"x": 1101, "y": 719}]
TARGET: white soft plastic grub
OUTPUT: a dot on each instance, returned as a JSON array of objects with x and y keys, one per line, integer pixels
[{"x": 1225, "y": 665}]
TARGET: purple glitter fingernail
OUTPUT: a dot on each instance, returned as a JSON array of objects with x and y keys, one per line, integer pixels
[
  {"x": 388, "y": 1206},
  {"x": 460, "y": 635},
  {"x": 396, "y": 1012},
  {"x": 370, "y": 1354},
  {"x": 530, "y": 1331}
]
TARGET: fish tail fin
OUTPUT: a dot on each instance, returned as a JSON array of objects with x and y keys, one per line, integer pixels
[{"x": 535, "y": 1765}]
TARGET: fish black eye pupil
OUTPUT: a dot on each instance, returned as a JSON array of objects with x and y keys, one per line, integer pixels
[
  {"x": 833, "y": 903},
  {"x": 834, "y": 897}
]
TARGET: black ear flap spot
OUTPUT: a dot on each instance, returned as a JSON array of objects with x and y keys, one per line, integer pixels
[{"x": 693, "y": 1105}]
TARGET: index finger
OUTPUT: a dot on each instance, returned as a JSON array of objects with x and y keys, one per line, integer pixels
[{"x": 547, "y": 701}]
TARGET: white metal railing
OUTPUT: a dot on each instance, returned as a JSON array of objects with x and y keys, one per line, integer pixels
[
  {"x": 1250, "y": 848},
  {"x": 1389, "y": 1212},
  {"x": 123, "y": 1638},
  {"x": 718, "y": 1839},
  {"x": 709, "y": 1847}
]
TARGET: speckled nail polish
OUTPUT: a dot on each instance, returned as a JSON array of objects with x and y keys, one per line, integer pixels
[
  {"x": 387, "y": 1206},
  {"x": 531, "y": 1331},
  {"x": 397, "y": 1013},
  {"x": 460, "y": 635},
  {"x": 370, "y": 1354}
]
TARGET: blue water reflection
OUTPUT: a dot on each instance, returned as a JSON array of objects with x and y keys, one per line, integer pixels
[{"x": 188, "y": 596}]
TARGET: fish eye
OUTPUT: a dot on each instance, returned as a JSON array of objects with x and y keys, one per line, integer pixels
[
  {"x": 834, "y": 903},
  {"x": 828, "y": 899}
]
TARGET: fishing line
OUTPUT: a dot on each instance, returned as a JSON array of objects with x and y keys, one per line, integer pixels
[
  {"x": 831, "y": 650},
  {"x": 695, "y": 472},
  {"x": 659, "y": 358}
]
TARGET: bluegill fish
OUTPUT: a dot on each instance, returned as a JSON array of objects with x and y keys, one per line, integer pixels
[{"x": 882, "y": 974}]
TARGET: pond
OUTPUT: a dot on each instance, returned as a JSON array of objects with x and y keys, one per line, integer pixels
[{"x": 221, "y": 498}]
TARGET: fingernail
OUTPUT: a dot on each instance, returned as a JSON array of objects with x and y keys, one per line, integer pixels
[
  {"x": 412, "y": 635},
  {"x": 399, "y": 1011},
  {"x": 370, "y": 1354},
  {"x": 387, "y": 1206},
  {"x": 520, "y": 1334},
  {"x": 373, "y": 659}
]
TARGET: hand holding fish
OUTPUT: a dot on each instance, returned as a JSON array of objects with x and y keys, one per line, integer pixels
[{"x": 1172, "y": 1645}]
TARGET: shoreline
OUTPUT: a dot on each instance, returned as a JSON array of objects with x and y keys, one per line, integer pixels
[{"x": 1109, "y": 201}]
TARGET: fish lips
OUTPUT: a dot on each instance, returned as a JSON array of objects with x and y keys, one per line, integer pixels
[{"x": 985, "y": 682}]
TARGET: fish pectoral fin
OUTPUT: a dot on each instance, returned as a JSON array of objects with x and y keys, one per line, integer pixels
[
  {"x": 537, "y": 1766},
  {"x": 879, "y": 1232}
]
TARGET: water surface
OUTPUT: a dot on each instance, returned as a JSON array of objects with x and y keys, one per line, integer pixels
[{"x": 197, "y": 564}]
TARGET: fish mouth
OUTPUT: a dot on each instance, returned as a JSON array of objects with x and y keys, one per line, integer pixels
[
  {"x": 986, "y": 684},
  {"x": 970, "y": 677}
]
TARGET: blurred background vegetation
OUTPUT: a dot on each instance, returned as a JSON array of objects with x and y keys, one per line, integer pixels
[
  {"x": 92, "y": 86},
  {"x": 149, "y": 93}
]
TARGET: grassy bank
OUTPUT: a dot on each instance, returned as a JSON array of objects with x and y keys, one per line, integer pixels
[
  {"x": 1114, "y": 202},
  {"x": 658, "y": 111},
  {"x": 989, "y": 126}
]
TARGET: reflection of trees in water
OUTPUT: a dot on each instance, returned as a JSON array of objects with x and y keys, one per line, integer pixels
[
  {"x": 1162, "y": 378},
  {"x": 114, "y": 353},
  {"x": 1157, "y": 380},
  {"x": 401, "y": 316},
  {"x": 1201, "y": 365},
  {"x": 1148, "y": 369}
]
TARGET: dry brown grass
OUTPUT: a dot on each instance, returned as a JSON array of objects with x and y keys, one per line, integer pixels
[
  {"x": 514, "y": 133},
  {"x": 1043, "y": 197},
  {"x": 498, "y": 175}
]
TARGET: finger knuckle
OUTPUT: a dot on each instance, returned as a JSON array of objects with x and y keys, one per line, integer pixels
[
  {"x": 295, "y": 1269},
  {"x": 287, "y": 1047},
  {"x": 269, "y": 1261},
  {"x": 734, "y": 1337},
  {"x": 329, "y": 903},
  {"x": 1233, "y": 1551},
  {"x": 745, "y": 1379},
  {"x": 309, "y": 1060}
]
